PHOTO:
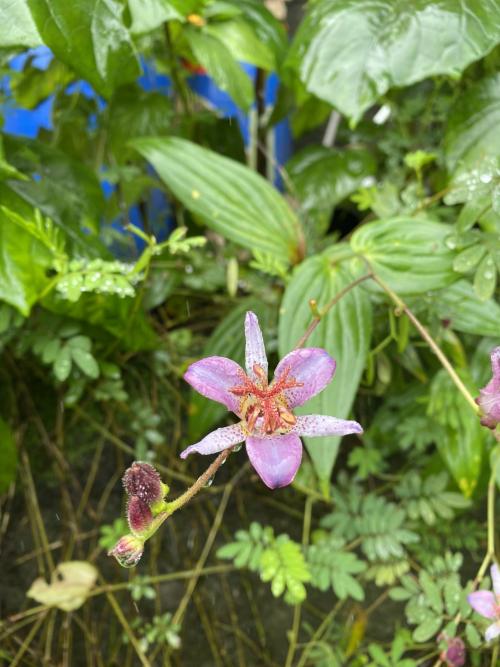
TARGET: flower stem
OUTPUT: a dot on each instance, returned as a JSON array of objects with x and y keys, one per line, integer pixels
[
  {"x": 329, "y": 306},
  {"x": 429, "y": 340}
]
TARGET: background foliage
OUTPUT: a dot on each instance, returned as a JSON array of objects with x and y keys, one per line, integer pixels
[{"x": 106, "y": 298}]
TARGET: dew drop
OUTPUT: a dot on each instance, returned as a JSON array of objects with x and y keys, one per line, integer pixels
[{"x": 210, "y": 481}]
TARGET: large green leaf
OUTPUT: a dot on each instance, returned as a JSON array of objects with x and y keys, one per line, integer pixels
[
  {"x": 227, "y": 340},
  {"x": 228, "y": 197},
  {"x": 90, "y": 37},
  {"x": 217, "y": 59},
  {"x": 147, "y": 15},
  {"x": 64, "y": 189},
  {"x": 17, "y": 27},
  {"x": 344, "y": 332},
  {"x": 24, "y": 262},
  {"x": 409, "y": 254},
  {"x": 323, "y": 177},
  {"x": 459, "y": 304},
  {"x": 462, "y": 440},
  {"x": 350, "y": 52},
  {"x": 472, "y": 130},
  {"x": 242, "y": 42},
  {"x": 8, "y": 456}
]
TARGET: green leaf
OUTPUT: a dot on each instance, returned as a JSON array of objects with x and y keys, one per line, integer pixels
[
  {"x": 90, "y": 37},
  {"x": 459, "y": 304},
  {"x": 427, "y": 629},
  {"x": 344, "y": 332},
  {"x": 350, "y": 52},
  {"x": 17, "y": 27},
  {"x": 62, "y": 364},
  {"x": 24, "y": 262},
  {"x": 473, "y": 636},
  {"x": 147, "y": 15},
  {"x": 228, "y": 197},
  {"x": 472, "y": 127},
  {"x": 485, "y": 279},
  {"x": 461, "y": 442},
  {"x": 8, "y": 456},
  {"x": 85, "y": 362},
  {"x": 242, "y": 42},
  {"x": 283, "y": 564},
  {"x": 226, "y": 340},
  {"x": 333, "y": 567},
  {"x": 219, "y": 62},
  {"x": 409, "y": 254},
  {"x": 322, "y": 177},
  {"x": 466, "y": 260}
]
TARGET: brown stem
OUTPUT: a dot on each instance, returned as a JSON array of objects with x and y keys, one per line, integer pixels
[{"x": 329, "y": 306}]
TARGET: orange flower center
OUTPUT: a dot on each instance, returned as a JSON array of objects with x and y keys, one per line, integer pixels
[{"x": 264, "y": 405}]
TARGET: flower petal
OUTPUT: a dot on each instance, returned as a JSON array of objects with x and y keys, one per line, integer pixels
[
  {"x": 215, "y": 442},
  {"x": 495, "y": 578},
  {"x": 484, "y": 603},
  {"x": 255, "y": 352},
  {"x": 213, "y": 377},
  {"x": 489, "y": 396},
  {"x": 276, "y": 459},
  {"x": 318, "y": 425},
  {"x": 492, "y": 631},
  {"x": 312, "y": 366}
]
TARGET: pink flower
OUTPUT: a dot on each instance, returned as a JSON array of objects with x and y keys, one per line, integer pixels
[
  {"x": 267, "y": 423},
  {"x": 487, "y": 604},
  {"x": 489, "y": 397},
  {"x": 455, "y": 653}
]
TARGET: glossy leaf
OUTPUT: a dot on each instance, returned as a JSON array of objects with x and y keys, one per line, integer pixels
[
  {"x": 24, "y": 262},
  {"x": 461, "y": 442},
  {"x": 322, "y": 177},
  {"x": 409, "y": 254},
  {"x": 460, "y": 305},
  {"x": 147, "y": 15},
  {"x": 227, "y": 340},
  {"x": 466, "y": 260},
  {"x": 228, "y": 197},
  {"x": 8, "y": 456},
  {"x": 220, "y": 64},
  {"x": 17, "y": 27},
  {"x": 350, "y": 52},
  {"x": 344, "y": 332},
  {"x": 472, "y": 129},
  {"x": 485, "y": 279},
  {"x": 90, "y": 37},
  {"x": 242, "y": 42}
]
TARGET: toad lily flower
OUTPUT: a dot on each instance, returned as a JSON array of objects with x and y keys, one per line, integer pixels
[
  {"x": 487, "y": 603},
  {"x": 489, "y": 396},
  {"x": 268, "y": 425}
]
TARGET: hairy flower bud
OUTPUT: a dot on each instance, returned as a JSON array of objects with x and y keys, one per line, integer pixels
[
  {"x": 455, "y": 654},
  {"x": 128, "y": 550},
  {"x": 144, "y": 481},
  {"x": 139, "y": 515},
  {"x": 489, "y": 396}
]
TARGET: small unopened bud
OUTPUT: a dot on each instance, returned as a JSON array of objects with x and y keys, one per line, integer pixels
[
  {"x": 139, "y": 515},
  {"x": 144, "y": 481},
  {"x": 454, "y": 655},
  {"x": 489, "y": 396},
  {"x": 128, "y": 550}
]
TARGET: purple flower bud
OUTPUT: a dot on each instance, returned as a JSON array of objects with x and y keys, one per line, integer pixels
[
  {"x": 128, "y": 550},
  {"x": 139, "y": 515},
  {"x": 144, "y": 481},
  {"x": 489, "y": 397},
  {"x": 455, "y": 653}
]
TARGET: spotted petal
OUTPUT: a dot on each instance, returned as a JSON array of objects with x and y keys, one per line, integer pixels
[
  {"x": 276, "y": 459},
  {"x": 320, "y": 425},
  {"x": 255, "y": 352},
  {"x": 215, "y": 442},
  {"x": 484, "y": 603},
  {"x": 489, "y": 396},
  {"x": 492, "y": 631},
  {"x": 312, "y": 367},
  {"x": 213, "y": 377},
  {"x": 495, "y": 578}
]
